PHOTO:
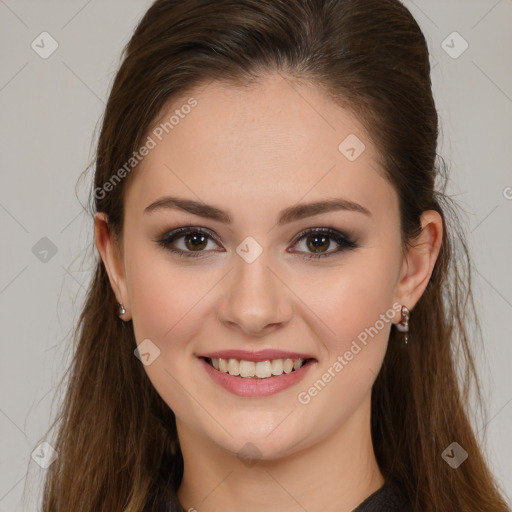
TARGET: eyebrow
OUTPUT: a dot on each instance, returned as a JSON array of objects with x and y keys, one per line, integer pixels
[{"x": 293, "y": 213}]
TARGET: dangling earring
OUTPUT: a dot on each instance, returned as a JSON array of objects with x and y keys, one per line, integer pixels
[
  {"x": 403, "y": 325},
  {"x": 120, "y": 309}
]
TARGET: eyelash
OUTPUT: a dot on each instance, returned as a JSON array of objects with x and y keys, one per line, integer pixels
[{"x": 344, "y": 241}]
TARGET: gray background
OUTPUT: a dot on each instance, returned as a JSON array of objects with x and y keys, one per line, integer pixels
[{"x": 50, "y": 109}]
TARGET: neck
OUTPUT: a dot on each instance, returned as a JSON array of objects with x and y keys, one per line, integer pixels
[{"x": 335, "y": 474}]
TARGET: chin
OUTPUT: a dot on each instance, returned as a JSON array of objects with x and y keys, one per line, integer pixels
[{"x": 260, "y": 440}]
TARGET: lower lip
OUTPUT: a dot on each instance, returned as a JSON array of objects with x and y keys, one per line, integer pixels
[{"x": 251, "y": 387}]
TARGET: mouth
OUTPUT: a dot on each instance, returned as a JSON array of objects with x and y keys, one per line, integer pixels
[
  {"x": 266, "y": 369},
  {"x": 260, "y": 374}
]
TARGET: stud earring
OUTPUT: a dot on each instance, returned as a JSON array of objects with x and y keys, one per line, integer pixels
[
  {"x": 120, "y": 309},
  {"x": 403, "y": 325}
]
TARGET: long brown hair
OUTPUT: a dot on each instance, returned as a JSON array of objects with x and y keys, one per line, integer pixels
[{"x": 116, "y": 438}]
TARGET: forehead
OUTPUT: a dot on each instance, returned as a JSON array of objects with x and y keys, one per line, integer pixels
[{"x": 259, "y": 145}]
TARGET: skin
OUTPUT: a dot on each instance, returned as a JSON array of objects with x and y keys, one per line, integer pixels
[{"x": 253, "y": 152}]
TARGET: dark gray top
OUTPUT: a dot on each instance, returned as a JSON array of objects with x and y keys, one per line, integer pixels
[{"x": 389, "y": 498}]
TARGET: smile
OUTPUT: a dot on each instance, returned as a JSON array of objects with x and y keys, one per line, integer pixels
[
  {"x": 256, "y": 378},
  {"x": 259, "y": 369}
]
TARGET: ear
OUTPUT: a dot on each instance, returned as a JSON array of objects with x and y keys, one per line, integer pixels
[
  {"x": 419, "y": 261},
  {"x": 110, "y": 253}
]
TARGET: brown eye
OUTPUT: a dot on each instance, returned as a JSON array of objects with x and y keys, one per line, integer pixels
[
  {"x": 317, "y": 242},
  {"x": 188, "y": 241},
  {"x": 195, "y": 241}
]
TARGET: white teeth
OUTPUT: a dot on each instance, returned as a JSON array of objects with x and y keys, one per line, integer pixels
[
  {"x": 263, "y": 369},
  {"x": 287, "y": 365},
  {"x": 223, "y": 365},
  {"x": 297, "y": 364},
  {"x": 233, "y": 367},
  {"x": 247, "y": 369},
  {"x": 260, "y": 369},
  {"x": 277, "y": 367}
]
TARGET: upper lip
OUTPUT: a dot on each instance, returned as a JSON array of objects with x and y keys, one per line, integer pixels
[{"x": 261, "y": 355}]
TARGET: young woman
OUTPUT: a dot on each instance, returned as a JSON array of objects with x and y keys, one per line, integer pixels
[{"x": 275, "y": 310}]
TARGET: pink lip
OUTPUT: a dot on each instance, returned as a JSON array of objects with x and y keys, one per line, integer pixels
[
  {"x": 255, "y": 387},
  {"x": 262, "y": 355}
]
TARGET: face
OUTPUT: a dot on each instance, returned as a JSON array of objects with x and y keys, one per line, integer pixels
[{"x": 255, "y": 275}]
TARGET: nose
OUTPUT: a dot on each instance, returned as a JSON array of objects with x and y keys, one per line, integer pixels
[{"x": 256, "y": 300}]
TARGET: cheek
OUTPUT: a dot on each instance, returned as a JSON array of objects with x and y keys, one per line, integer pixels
[
  {"x": 167, "y": 307},
  {"x": 355, "y": 314},
  {"x": 355, "y": 300},
  {"x": 163, "y": 296}
]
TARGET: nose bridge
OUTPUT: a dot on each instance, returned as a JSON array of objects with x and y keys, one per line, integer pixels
[{"x": 255, "y": 298}]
